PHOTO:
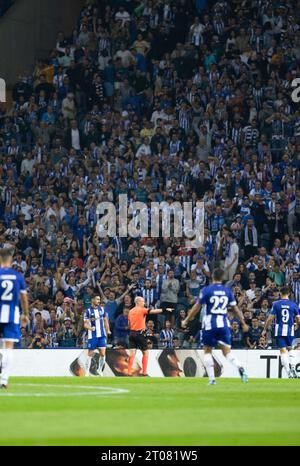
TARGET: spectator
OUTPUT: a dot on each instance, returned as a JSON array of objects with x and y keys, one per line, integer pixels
[
  {"x": 169, "y": 293},
  {"x": 67, "y": 310},
  {"x": 38, "y": 341},
  {"x": 166, "y": 335},
  {"x": 193, "y": 286},
  {"x": 111, "y": 304},
  {"x": 121, "y": 329},
  {"x": 231, "y": 257},
  {"x": 190, "y": 336},
  {"x": 263, "y": 344},
  {"x": 26, "y": 339},
  {"x": 38, "y": 324},
  {"x": 254, "y": 334},
  {"x": 68, "y": 107},
  {"x": 178, "y": 104},
  {"x": 236, "y": 336},
  {"x": 67, "y": 335},
  {"x": 152, "y": 334}
]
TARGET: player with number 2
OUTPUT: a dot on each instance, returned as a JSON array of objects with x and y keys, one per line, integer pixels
[{"x": 12, "y": 294}]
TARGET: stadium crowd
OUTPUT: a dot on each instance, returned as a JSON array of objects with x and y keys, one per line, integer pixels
[{"x": 163, "y": 101}]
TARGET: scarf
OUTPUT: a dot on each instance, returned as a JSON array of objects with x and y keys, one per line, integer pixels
[{"x": 254, "y": 239}]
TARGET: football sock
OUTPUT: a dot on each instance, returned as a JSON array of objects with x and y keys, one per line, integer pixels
[
  {"x": 130, "y": 363},
  {"x": 88, "y": 364},
  {"x": 285, "y": 362},
  {"x": 292, "y": 359},
  {"x": 145, "y": 364},
  {"x": 101, "y": 363},
  {"x": 209, "y": 366},
  {"x": 233, "y": 360},
  {"x": 82, "y": 360},
  {"x": 7, "y": 358}
]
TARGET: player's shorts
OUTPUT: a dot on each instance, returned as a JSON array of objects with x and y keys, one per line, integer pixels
[
  {"x": 138, "y": 340},
  {"x": 10, "y": 332},
  {"x": 216, "y": 336},
  {"x": 95, "y": 343},
  {"x": 284, "y": 342}
]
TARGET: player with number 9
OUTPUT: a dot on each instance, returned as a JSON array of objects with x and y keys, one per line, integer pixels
[{"x": 285, "y": 312}]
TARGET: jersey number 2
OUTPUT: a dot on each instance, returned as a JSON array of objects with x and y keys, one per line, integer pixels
[{"x": 7, "y": 295}]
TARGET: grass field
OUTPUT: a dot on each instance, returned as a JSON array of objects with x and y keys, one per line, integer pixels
[{"x": 121, "y": 411}]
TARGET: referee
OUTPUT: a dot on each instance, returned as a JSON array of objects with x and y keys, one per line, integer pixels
[{"x": 137, "y": 335}]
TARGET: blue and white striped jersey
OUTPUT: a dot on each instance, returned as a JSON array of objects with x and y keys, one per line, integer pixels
[
  {"x": 95, "y": 317},
  {"x": 217, "y": 299},
  {"x": 12, "y": 283},
  {"x": 167, "y": 335},
  {"x": 285, "y": 312}
]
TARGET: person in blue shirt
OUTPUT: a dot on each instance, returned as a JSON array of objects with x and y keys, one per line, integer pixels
[
  {"x": 12, "y": 294},
  {"x": 216, "y": 328},
  {"x": 81, "y": 230},
  {"x": 121, "y": 330},
  {"x": 285, "y": 312}
]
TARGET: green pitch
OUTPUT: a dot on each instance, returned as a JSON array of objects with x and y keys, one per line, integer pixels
[{"x": 121, "y": 411}]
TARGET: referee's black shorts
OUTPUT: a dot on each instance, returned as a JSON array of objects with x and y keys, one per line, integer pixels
[{"x": 138, "y": 340}]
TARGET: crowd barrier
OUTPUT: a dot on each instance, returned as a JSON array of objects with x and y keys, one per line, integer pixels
[{"x": 162, "y": 363}]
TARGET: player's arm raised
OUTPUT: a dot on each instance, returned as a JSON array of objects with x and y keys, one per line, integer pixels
[{"x": 240, "y": 316}]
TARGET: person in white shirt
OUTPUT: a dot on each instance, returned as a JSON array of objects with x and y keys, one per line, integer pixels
[
  {"x": 144, "y": 149},
  {"x": 231, "y": 257},
  {"x": 75, "y": 135},
  {"x": 122, "y": 15},
  {"x": 158, "y": 114},
  {"x": 19, "y": 262},
  {"x": 126, "y": 56},
  {"x": 202, "y": 270},
  {"x": 28, "y": 164},
  {"x": 69, "y": 107},
  {"x": 250, "y": 293},
  {"x": 13, "y": 232},
  {"x": 38, "y": 306},
  {"x": 27, "y": 209},
  {"x": 196, "y": 31}
]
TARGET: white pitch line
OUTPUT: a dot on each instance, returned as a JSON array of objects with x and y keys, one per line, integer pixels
[
  {"x": 92, "y": 391},
  {"x": 58, "y": 395}
]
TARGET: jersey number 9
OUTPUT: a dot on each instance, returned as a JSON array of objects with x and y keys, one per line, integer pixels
[{"x": 285, "y": 315}]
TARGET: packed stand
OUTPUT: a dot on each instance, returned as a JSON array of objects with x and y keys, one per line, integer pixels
[{"x": 162, "y": 101}]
